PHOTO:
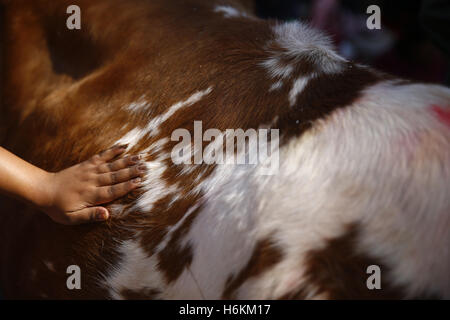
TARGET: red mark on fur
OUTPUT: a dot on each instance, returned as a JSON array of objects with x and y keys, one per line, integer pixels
[{"x": 442, "y": 114}]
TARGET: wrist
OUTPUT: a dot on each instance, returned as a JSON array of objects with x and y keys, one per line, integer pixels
[{"x": 44, "y": 189}]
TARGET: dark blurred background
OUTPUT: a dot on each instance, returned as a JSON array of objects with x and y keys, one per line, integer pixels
[{"x": 413, "y": 43}]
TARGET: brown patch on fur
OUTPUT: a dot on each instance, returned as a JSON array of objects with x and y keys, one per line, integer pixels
[
  {"x": 264, "y": 257},
  {"x": 338, "y": 271},
  {"x": 324, "y": 94},
  {"x": 174, "y": 258}
]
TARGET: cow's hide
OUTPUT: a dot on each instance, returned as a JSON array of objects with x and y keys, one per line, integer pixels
[{"x": 364, "y": 158}]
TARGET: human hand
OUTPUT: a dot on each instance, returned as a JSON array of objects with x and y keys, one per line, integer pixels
[{"x": 73, "y": 195}]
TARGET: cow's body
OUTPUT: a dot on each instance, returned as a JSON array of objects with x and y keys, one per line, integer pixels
[{"x": 364, "y": 171}]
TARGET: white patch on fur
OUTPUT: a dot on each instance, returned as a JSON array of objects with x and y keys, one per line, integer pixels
[
  {"x": 117, "y": 210},
  {"x": 174, "y": 228},
  {"x": 154, "y": 124},
  {"x": 138, "y": 106},
  {"x": 276, "y": 86},
  {"x": 154, "y": 186},
  {"x": 408, "y": 221},
  {"x": 132, "y": 137},
  {"x": 152, "y": 128},
  {"x": 300, "y": 41},
  {"x": 298, "y": 86},
  {"x": 137, "y": 271},
  {"x": 401, "y": 201},
  {"x": 187, "y": 169},
  {"x": 226, "y": 222},
  {"x": 230, "y": 12},
  {"x": 156, "y": 146},
  {"x": 132, "y": 272},
  {"x": 276, "y": 69}
]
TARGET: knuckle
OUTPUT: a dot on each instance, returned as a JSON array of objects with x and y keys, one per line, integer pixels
[
  {"x": 111, "y": 192},
  {"x": 95, "y": 159},
  {"x": 110, "y": 166},
  {"x": 91, "y": 177},
  {"x": 130, "y": 185},
  {"x": 113, "y": 177},
  {"x": 126, "y": 174},
  {"x": 90, "y": 190},
  {"x": 121, "y": 163},
  {"x": 103, "y": 168},
  {"x": 100, "y": 179},
  {"x": 123, "y": 189},
  {"x": 87, "y": 164}
]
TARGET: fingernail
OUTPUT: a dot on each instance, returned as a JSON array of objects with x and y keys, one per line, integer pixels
[
  {"x": 142, "y": 168},
  {"x": 135, "y": 159},
  {"x": 137, "y": 180},
  {"x": 101, "y": 215}
]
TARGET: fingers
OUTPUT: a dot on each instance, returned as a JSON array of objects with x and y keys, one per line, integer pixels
[
  {"x": 110, "y": 193},
  {"x": 119, "y": 164},
  {"x": 111, "y": 153},
  {"x": 91, "y": 214},
  {"x": 111, "y": 178}
]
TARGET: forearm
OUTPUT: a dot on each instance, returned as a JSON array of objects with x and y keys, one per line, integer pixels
[{"x": 22, "y": 180}]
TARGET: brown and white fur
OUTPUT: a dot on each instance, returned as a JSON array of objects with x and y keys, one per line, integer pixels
[{"x": 363, "y": 179}]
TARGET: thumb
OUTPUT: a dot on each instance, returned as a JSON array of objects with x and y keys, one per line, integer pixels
[{"x": 91, "y": 214}]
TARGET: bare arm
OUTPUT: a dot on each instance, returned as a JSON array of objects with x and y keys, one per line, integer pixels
[{"x": 72, "y": 196}]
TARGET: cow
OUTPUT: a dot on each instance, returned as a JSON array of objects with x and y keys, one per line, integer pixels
[{"x": 357, "y": 205}]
